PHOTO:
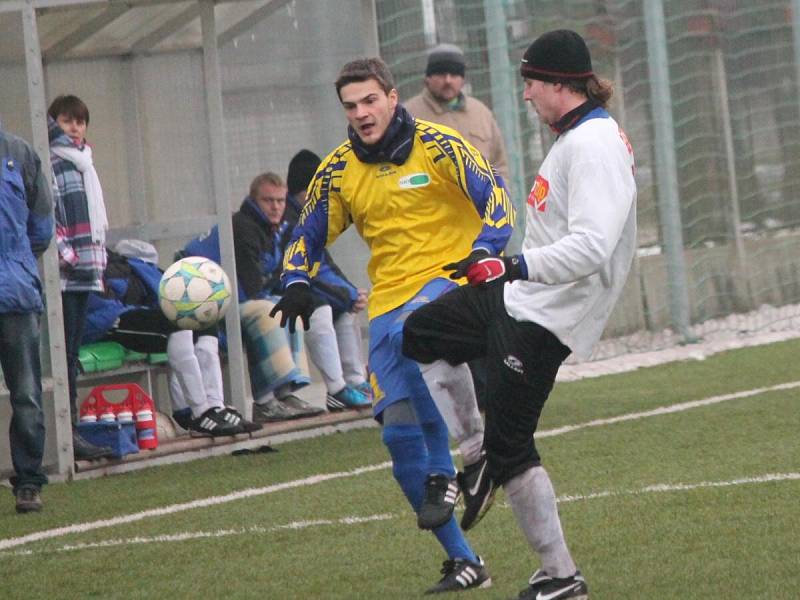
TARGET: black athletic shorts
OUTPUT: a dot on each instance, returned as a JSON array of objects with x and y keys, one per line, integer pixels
[{"x": 522, "y": 359}]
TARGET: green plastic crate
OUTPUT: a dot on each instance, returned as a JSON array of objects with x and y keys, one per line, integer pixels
[
  {"x": 157, "y": 358},
  {"x": 133, "y": 356},
  {"x": 101, "y": 356}
]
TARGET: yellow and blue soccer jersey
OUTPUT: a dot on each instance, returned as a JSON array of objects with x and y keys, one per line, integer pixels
[{"x": 444, "y": 201}]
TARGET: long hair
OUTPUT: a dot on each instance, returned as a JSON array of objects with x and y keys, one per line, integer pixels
[{"x": 595, "y": 89}]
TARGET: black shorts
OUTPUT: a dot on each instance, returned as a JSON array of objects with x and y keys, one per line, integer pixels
[{"x": 522, "y": 360}]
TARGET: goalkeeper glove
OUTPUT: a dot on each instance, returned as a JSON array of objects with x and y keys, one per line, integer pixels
[
  {"x": 295, "y": 302},
  {"x": 460, "y": 268},
  {"x": 497, "y": 269}
]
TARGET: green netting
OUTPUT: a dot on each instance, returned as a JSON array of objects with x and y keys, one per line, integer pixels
[{"x": 732, "y": 72}]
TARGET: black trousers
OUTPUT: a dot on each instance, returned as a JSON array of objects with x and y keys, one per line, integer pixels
[
  {"x": 522, "y": 359},
  {"x": 147, "y": 330}
]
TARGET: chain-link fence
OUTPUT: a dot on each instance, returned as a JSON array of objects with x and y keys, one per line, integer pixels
[{"x": 707, "y": 91}]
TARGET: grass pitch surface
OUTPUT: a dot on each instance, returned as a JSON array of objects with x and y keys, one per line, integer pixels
[{"x": 695, "y": 503}]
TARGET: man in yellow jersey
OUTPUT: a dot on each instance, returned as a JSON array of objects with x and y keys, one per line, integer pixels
[{"x": 420, "y": 196}]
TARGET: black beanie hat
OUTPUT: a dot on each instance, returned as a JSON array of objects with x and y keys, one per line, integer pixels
[
  {"x": 445, "y": 58},
  {"x": 557, "y": 55},
  {"x": 301, "y": 169}
]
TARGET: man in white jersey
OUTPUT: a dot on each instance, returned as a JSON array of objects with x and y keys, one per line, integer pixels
[{"x": 527, "y": 313}]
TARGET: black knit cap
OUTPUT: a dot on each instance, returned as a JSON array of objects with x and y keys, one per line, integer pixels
[
  {"x": 301, "y": 169},
  {"x": 445, "y": 58},
  {"x": 556, "y": 56}
]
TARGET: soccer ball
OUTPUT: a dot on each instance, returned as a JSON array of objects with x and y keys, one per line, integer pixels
[{"x": 194, "y": 293}]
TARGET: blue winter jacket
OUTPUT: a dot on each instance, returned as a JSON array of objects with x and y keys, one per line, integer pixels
[
  {"x": 26, "y": 225},
  {"x": 259, "y": 260},
  {"x": 129, "y": 283}
]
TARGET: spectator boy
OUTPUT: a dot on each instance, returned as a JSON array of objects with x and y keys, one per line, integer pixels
[{"x": 81, "y": 226}]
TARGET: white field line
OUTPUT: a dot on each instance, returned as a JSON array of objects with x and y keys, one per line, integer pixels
[
  {"x": 354, "y": 520},
  {"x": 176, "y": 508},
  {"x": 315, "y": 479},
  {"x": 665, "y": 410}
]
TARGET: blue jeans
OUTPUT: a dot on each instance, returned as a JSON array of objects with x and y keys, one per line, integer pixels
[{"x": 19, "y": 358}]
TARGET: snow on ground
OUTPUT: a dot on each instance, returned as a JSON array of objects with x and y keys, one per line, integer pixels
[{"x": 766, "y": 325}]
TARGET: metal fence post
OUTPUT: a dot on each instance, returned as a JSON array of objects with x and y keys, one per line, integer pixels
[
  {"x": 730, "y": 160},
  {"x": 55, "y": 349},
  {"x": 666, "y": 169},
  {"x": 219, "y": 165},
  {"x": 796, "y": 38},
  {"x": 506, "y": 109}
]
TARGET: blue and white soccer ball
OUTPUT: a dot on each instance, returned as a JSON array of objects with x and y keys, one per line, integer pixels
[{"x": 194, "y": 293}]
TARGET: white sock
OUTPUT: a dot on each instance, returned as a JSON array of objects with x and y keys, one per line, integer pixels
[
  {"x": 175, "y": 392},
  {"x": 454, "y": 395},
  {"x": 184, "y": 364},
  {"x": 207, "y": 352},
  {"x": 323, "y": 349},
  {"x": 351, "y": 352},
  {"x": 533, "y": 501}
]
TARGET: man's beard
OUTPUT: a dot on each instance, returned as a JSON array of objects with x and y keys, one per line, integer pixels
[{"x": 444, "y": 100}]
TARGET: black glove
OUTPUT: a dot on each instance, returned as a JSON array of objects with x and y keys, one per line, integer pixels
[
  {"x": 295, "y": 302},
  {"x": 496, "y": 269},
  {"x": 461, "y": 267}
]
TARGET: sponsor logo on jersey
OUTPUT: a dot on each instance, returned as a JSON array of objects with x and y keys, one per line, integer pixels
[
  {"x": 385, "y": 171},
  {"x": 513, "y": 363},
  {"x": 538, "y": 196},
  {"x": 415, "y": 180}
]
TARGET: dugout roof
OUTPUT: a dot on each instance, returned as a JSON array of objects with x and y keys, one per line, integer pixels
[{"x": 71, "y": 29}]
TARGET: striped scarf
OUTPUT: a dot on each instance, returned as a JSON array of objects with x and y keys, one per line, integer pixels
[{"x": 82, "y": 159}]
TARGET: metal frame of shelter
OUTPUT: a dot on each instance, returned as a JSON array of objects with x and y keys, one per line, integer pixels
[{"x": 211, "y": 39}]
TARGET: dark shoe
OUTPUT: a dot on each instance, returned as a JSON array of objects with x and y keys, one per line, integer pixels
[
  {"x": 234, "y": 417},
  {"x": 271, "y": 411},
  {"x": 441, "y": 496},
  {"x": 213, "y": 423},
  {"x": 347, "y": 397},
  {"x": 300, "y": 407},
  {"x": 83, "y": 450},
  {"x": 28, "y": 500},
  {"x": 183, "y": 417},
  {"x": 461, "y": 574},
  {"x": 542, "y": 586},
  {"x": 478, "y": 489}
]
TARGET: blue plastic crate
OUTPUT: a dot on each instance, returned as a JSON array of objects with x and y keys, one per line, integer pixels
[{"x": 120, "y": 437}]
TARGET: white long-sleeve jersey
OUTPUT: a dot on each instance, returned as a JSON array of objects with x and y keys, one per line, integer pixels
[{"x": 580, "y": 234}]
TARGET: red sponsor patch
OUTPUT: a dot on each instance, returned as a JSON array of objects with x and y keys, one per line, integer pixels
[
  {"x": 538, "y": 195},
  {"x": 627, "y": 143}
]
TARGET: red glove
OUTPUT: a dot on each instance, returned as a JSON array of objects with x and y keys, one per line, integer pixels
[
  {"x": 497, "y": 269},
  {"x": 461, "y": 267}
]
